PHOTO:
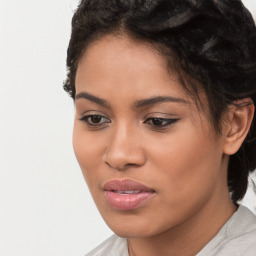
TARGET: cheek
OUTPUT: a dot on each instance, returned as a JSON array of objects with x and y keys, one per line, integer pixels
[
  {"x": 89, "y": 150},
  {"x": 186, "y": 163}
]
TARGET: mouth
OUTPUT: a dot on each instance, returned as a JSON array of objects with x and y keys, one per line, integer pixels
[{"x": 127, "y": 194}]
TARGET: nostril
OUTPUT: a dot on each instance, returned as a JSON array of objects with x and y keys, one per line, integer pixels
[
  {"x": 108, "y": 164},
  {"x": 128, "y": 165},
  {"x": 120, "y": 164}
]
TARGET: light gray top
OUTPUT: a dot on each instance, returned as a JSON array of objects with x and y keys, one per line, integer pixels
[{"x": 236, "y": 238}]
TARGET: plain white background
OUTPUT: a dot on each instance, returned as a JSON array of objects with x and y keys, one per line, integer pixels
[{"x": 45, "y": 207}]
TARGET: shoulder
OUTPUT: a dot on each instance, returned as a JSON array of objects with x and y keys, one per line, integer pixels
[
  {"x": 113, "y": 246},
  {"x": 241, "y": 233},
  {"x": 237, "y": 237}
]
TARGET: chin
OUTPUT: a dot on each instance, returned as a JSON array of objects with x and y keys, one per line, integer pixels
[
  {"x": 132, "y": 226},
  {"x": 137, "y": 233}
]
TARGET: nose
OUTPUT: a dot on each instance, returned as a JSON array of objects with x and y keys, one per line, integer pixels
[{"x": 125, "y": 149}]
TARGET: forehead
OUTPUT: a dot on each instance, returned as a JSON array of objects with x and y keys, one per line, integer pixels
[
  {"x": 118, "y": 62},
  {"x": 119, "y": 66}
]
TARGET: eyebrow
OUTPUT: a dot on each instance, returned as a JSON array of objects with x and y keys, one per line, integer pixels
[
  {"x": 158, "y": 99},
  {"x": 90, "y": 97},
  {"x": 137, "y": 104}
]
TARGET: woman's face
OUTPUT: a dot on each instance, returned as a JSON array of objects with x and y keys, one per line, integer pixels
[{"x": 151, "y": 159}]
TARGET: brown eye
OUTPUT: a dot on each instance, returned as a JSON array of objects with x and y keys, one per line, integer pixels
[
  {"x": 94, "y": 120},
  {"x": 160, "y": 122}
]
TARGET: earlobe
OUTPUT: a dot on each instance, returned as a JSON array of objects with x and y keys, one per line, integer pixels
[{"x": 240, "y": 116}]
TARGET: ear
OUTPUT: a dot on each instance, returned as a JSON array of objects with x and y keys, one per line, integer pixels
[{"x": 239, "y": 119}]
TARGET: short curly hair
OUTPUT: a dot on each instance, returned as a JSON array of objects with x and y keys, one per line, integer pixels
[{"x": 213, "y": 42}]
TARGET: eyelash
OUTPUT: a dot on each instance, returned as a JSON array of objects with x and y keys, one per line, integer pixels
[
  {"x": 88, "y": 120},
  {"x": 166, "y": 121},
  {"x": 155, "y": 122}
]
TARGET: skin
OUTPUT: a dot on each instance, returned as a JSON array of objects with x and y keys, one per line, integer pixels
[{"x": 185, "y": 162}]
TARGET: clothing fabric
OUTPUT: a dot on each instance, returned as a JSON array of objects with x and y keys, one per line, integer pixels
[{"x": 236, "y": 238}]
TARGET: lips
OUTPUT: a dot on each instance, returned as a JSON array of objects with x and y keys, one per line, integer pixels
[{"x": 127, "y": 194}]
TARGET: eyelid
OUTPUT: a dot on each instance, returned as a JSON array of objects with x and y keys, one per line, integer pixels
[
  {"x": 85, "y": 119},
  {"x": 92, "y": 113},
  {"x": 161, "y": 115},
  {"x": 168, "y": 121},
  {"x": 164, "y": 118}
]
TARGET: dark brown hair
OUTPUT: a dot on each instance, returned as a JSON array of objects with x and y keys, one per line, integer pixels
[{"x": 213, "y": 42}]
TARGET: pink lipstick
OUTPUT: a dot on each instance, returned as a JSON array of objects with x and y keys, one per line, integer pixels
[{"x": 126, "y": 194}]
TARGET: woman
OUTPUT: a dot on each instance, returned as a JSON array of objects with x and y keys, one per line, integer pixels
[{"x": 164, "y": 132}]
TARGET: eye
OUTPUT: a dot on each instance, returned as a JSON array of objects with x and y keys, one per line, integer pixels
[
  {"x": 160, "y": 122},
  {"x": 94, "y": 120}
]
